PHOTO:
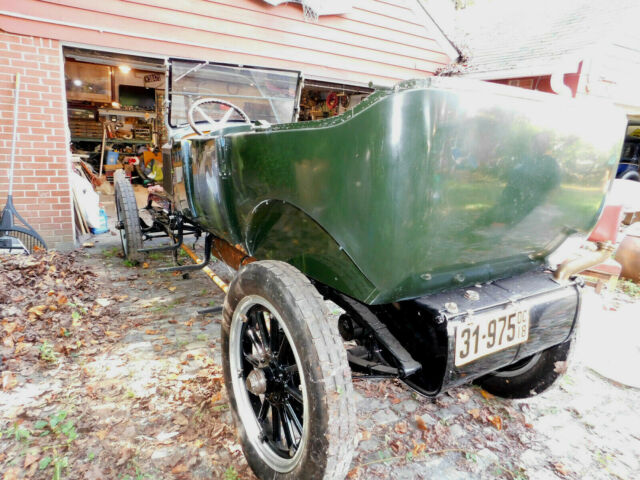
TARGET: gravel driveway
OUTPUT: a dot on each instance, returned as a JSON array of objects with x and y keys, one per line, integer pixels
[{"x": 147, "y": 401}]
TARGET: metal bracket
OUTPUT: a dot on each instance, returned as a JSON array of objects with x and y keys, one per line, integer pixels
[
  {"x": 406, "y": 364},
  {"x": 166, "y": 248},
  {"x": 208, "y": 241}
]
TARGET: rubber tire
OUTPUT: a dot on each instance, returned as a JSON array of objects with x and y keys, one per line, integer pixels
[
  {"x": 332, "y": 425},
  {"x": 533, "y": 381},
  {"x": 631, "y": 175},
  {"x": 125, "y": 197}
]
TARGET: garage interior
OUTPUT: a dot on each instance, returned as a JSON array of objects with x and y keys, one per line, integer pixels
[{"x": 116, "y": 118}]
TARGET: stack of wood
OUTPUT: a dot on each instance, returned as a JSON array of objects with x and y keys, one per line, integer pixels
[{"x": 85, "y": 170}]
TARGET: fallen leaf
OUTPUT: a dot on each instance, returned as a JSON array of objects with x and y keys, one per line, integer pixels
[
  {"x": 486, "y": 394},
  {"x": 10, "y": 327},
  {"x": 62, "y": 300},
  {"x": 38, "y": 310},
  {"x": 475, "y": 413},
  {"x": 172, "y": 289},
  {"x": 561, "y": 469},
  {"x": 180, "y": 468},
  {"x": 9, "y": 380},
  {"x": 463, "y": 397},
  {"x": 145, "y": 265},
  {"x": 365, "y": 434},
  {"x": 125, "y": 455},
  {"x": 101, "y": 434},
  {"x": 496, "y": 421},
  {"x": 180, "y": 419},
  {"x": 30, "y": 458},
  {"x": 421, "y": 424},
  {"x": 198, "y": 443},
  {"x": 418, "y": 448},
  {"x": 11, "y": 474},
  {"x": 149, "y": 331},
  {"x": 88, "y": 245},
  {"x": 397, "y": 446},
  {"x": 20, "y": 346},
  {"x": 400, "y": 428},
  {"x": 354, "y": 473},
  {"x": 103, "y": 302},
  {"x": 216, "y": 398}
]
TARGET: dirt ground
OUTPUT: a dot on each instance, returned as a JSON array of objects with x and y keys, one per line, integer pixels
[{"x": 110, "y": 373}]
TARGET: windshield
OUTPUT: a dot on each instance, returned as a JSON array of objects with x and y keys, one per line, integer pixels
[{"x": 262, "y": 94}]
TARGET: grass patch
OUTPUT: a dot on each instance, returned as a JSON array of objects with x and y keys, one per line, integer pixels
[{"x": 629, "y": 287}]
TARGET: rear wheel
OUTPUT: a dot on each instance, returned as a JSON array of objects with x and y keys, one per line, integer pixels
[
  {"x": 128, "y": 219},
  {"x": 529, "y": 376},
  {"x": 287, "y": 376},
  {"x": 631, "y": 175}
]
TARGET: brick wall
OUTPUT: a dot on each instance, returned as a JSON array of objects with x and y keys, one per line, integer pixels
[{"x": 41, "y": 179}]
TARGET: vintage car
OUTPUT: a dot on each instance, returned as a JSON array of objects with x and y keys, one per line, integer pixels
[{"x": 430, "y": 213}]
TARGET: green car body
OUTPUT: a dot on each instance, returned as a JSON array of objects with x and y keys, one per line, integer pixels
[{"x": 435, "y": 184}]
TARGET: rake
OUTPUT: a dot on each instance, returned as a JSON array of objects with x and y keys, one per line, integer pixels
[{"x": 16, "y": 238}]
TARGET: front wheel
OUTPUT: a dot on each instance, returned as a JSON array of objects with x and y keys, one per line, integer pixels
[
  {"x": 128, "y": 218},
  {"x": 287, "y": 376},
  {"x": 529, "y": 376}
]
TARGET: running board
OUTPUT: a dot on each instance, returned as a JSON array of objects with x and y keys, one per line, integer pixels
[{"x": 198, "y": 266}]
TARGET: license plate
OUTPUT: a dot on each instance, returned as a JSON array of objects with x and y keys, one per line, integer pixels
[{"x": 490, "y": 333}]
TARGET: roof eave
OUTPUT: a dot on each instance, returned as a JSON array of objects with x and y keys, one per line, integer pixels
[{"x": 526, "y": 71}]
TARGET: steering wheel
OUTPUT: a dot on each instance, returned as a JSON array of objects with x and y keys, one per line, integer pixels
[{"x": 215, "y": 124}]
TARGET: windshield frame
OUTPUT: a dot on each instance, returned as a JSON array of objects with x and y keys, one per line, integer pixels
[{"x": 169, "y": 84}]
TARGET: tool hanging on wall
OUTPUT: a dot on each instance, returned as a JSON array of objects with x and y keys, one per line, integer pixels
[{"x": 15, "y": 238}]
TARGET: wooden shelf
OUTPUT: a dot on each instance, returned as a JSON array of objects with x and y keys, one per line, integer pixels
[
  {"x": 126, "y": 113},
  {"x": 110, "y": 140}
]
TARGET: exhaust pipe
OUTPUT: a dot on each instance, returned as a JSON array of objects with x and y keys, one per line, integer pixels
[{"x": 568, "y": 268}]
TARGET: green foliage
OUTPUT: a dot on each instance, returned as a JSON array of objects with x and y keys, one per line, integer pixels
[
  {"x": 231, "y": 474},
  {"x": 58, "y": 464},
  {"x": 57, "y": 426},
  {"x": 139, "y": 475},
  {"x": 630, "y": 288},
  {"x": 129, "y": 263},
  {"x": 18, "y": 433},
  {"x": 112, "y": 252},
  {"x": 47, "y": 353}
]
